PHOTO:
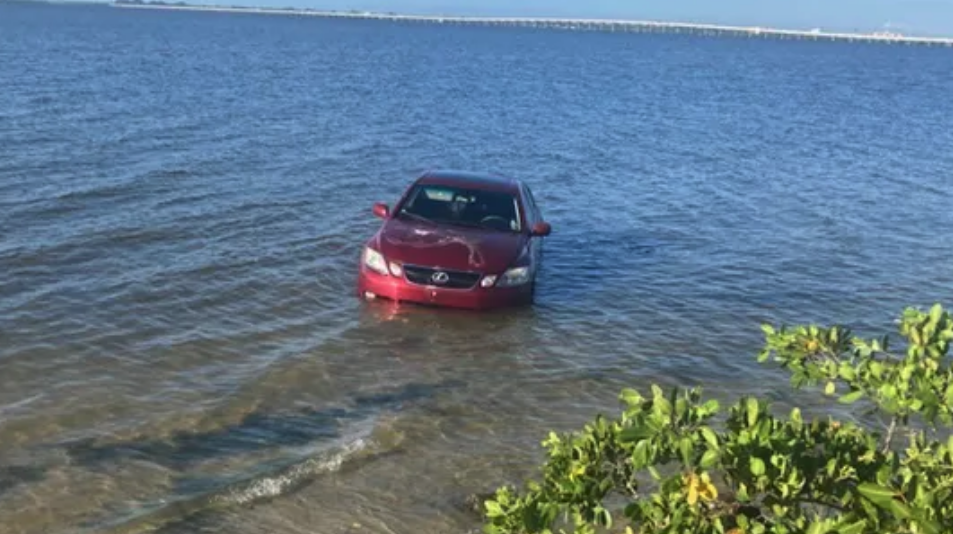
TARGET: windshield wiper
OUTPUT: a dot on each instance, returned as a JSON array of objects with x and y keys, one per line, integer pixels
[{"x": 420, "y": 218}]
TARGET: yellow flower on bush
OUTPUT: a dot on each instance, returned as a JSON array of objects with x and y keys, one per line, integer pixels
[
  {"x": 700, "y": 487},
  {"x": 577, "y": 471}
]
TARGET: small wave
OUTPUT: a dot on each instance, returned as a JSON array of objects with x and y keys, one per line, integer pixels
[
  {"x": 170, "y": 173},
  {"x": 269, "y": 482},
  {"x": 41, "y": 100},
  {"x": 291, "y": 477},
  {"x": 6, "y": 409}
]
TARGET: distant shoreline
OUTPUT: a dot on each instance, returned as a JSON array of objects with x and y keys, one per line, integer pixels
[{"x": 621, "y": 25}]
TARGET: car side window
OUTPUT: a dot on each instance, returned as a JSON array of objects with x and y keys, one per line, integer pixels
[
  {"x": 532, "y": 203},
  {"x": 528, "y": 208}
]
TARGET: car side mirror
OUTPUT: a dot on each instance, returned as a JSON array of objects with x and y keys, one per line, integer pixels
[
  {"x": 541, "y": 229},
  {"x": 381, "y": 210}
]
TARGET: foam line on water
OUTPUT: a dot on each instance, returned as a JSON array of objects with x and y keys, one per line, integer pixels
[
  {"x": 269, "y": 482},
  {"x": 291, "y": 477}
]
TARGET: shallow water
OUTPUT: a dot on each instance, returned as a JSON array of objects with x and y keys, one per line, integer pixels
[{"x": 183, "y": 197}]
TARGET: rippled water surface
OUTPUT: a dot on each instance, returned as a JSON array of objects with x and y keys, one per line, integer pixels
[{"x": 183, "y": 197}]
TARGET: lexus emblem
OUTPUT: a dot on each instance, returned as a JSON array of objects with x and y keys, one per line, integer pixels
[{"x": 440, "y": 277}]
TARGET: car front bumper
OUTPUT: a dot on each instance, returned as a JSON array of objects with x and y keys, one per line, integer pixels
[{"x": 375, "y": 285}]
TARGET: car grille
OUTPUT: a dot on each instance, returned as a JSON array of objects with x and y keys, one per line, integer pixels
[{"x": 455, "y": 279}]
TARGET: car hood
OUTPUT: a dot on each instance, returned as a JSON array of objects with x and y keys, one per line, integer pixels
[{"x": 457, "y": 248}]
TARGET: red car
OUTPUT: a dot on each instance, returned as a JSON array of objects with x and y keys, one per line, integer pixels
[{"x": 456, "y": 239}]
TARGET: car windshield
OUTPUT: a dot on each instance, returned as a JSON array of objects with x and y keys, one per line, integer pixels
[{"x": 463, "y": 207}]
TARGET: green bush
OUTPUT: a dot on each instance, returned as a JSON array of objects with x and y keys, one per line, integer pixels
[{"x": 667, "y": 465}]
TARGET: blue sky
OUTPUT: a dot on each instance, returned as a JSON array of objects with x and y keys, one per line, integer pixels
[{"x": 908, "y": 16}]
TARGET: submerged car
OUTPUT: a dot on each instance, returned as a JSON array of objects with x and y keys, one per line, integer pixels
[{"x": 456, "y": 239}]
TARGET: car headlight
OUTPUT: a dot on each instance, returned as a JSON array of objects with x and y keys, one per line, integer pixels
[
  {"x": 516, "y": 276},
  {"x": 488, "y": 280},
  {"x": 396, "y": 269},
  {"x": 375, "y": 261}
]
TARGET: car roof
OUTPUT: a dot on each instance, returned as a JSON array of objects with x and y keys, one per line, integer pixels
[{"x": 476, "y": 180}]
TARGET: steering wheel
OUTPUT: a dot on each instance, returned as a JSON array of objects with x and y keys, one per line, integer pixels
[{"x": 494, "y": 218}]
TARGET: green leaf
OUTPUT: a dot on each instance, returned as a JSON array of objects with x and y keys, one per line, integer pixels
[
  {"x": 877, "y": 494},
  {"x": 710, "y": 437},
  {"x": 847, "y": 372},
  {"x": 640, "y": 456},
  {"x": 493, "y": 509},
  {"x": 636, "y": 433},
  {"x": 830, "y": 388},
  {"x": 631, "y": 397},
  {"x": 681, "y": 408},
  {"x": 757, "y": 466},
  {"x": 686, "y": 448},
  {"x": 752, "y": 410},
  {"x": 929, "y": 527},
  {"x": 851, "y": 397},
  {"x": 936, "y": 313},
  {"x": 743, "y": 493},
  {"x": 796, "y": 415},
  {"x": 709, "y": 459},
  {"x": 900, "y": 510},
  {"x": 854, "y": 528},
  {"x": 711, "y": 406}
]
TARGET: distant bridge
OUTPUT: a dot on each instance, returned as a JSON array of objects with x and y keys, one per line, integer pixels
[{"x": 604, "y": 25}]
